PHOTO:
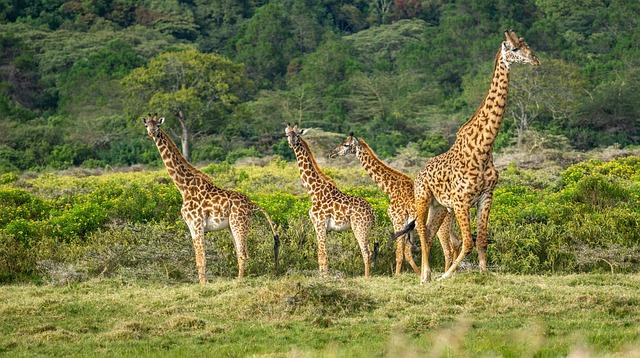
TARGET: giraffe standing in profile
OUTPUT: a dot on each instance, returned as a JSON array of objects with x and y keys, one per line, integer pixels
[
  {"x": 465, "y": 176},
  {"x": 331, "y": 209},
  {"x": 399, "y": 188},
  {"x": 206, "y": 207}
]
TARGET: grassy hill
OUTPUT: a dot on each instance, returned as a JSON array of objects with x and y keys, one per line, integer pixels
[{"x": 301, "y": 316}]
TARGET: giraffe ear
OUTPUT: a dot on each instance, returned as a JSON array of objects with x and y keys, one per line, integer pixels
[
  {"x": 303, "y": 131},
  {"x": 160, "y": 121},
  {"x": 511, "y": 38}
]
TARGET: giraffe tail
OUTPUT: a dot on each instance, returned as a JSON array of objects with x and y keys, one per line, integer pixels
[
  {"x": 276, "y": 238},
  {"x": 405, "y": 230}
]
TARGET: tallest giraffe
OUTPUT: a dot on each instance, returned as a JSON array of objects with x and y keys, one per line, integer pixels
[{"x": 465, "y": 176}]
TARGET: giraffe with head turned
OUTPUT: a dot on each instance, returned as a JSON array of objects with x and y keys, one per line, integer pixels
[
  {"x": 205, "y": 207},
  {"x": 399, "y": 188},
  {"x": 331, "y": 209},
  {"x": 465, "y": 175}
]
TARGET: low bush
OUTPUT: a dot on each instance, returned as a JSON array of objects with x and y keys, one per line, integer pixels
[{"x": 585, "y": 218}]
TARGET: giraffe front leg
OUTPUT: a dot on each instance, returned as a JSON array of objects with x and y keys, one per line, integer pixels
[
  {"x": 483, "y": 229},
  {"x": 462, "y": 216},
  {"x": 197, "y": 236},
  {"x": 321, "y": 239},
  {"x": 239, "y": 225}
]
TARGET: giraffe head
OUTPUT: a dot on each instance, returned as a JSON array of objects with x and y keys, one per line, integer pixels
[
  {"x": 293, "y": 134},
  {"x": 515, "y": 50},
  {"x": 153, "y": 123},
  {"x": 348, "y": 146}
]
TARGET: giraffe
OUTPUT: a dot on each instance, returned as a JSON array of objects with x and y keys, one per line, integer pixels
[
  {"x": 331, "y": 209},
  {"x": 206, "y": 207},
  {"x": 399, "y": 188},
  {"x": 465, "y": 175}
]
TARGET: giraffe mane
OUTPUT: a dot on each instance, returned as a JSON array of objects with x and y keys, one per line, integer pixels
[
  {"x": 375, "y": 157},
  {"x": 174, "y": 148},
  {"x": 312, "y": 158},
  {"x": 495, "y": 65}
]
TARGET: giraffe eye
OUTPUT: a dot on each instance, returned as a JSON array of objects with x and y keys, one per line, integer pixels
[{"x": 515, "y": 49}]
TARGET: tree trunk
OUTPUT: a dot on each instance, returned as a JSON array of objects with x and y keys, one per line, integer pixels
[{"x": 184, "y": 138}]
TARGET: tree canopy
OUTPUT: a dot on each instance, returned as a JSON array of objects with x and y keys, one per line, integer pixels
[{"x": 398, "y": 73}]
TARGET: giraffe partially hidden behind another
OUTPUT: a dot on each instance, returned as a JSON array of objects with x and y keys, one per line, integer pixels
[
  {"x": 206, "y": 207},
  {"x": 331, "y": 209},
  {"x": 399, "y": 188},
  {"x": 465, "y": 176}
]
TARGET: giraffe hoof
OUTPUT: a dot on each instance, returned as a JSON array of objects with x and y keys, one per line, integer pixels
[
  {"x": 425, "y": 278},
  {"x": 444, "y": 277}
]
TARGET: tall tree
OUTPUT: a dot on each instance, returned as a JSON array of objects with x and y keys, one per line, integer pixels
[
  {"x": 188, "y": 84},
  {"x": 538, "y": 93}
]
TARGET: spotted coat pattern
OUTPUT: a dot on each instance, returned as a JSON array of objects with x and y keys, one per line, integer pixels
[
  {"x": 206, "y": 207},
  {"x": 399, "y": 188},
  {"x": 331, "y": 209},
  {"x": 465, "y": 175}
]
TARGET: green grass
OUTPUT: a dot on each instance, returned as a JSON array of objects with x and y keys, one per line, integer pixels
[{"x": 470, "y": 314}]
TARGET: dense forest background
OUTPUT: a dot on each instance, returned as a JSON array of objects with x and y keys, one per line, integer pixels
[{"x": 75, "y": 76}]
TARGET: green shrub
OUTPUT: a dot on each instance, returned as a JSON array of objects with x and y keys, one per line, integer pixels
[
  {"x": 17, "y": 260},
  {"x": 129, "y": 224},
  {"x": 598, "y": 191},
  {"x": 8, "y": 178},
  {"x": 236, "y": 154},
  {"x": 20, "y": 204},
  {"x": 283, "y": 207},
  {"x": 77, "y": 222},
  {"x": 94, "y": 163}
]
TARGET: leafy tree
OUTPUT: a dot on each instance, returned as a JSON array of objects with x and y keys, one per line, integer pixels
[
  {"x": 197, "y": 88},
  {"x": 219, "y": 23},
  {"x": 536, "y": 92},
  {"x": 278, "y": 32}
]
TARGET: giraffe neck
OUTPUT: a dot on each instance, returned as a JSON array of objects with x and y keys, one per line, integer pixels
[
  {"x": 382, "y": 174},
  {"x": 177, "y": 166},
  {"x": 480, "y": 131},
  {"x": 313, "y": 179}
]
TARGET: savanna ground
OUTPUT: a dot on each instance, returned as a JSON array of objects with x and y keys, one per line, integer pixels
[
  {"x": 470, "y": 314},
  {"x": 99, "y": 262}
]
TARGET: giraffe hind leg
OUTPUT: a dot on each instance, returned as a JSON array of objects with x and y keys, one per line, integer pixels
[
  {"x": 197, "y": 236},
  {"x": 483, "y": 230},
  {"x": 443, "y": 235},
  {"x": 321, "y": 239},
  {"x": 400, "y": 245},
  {"x": 239, "y": 226},
  {"x": 361, "y": 232},
  {"x": 408, "y": 253},
  {"x": 462, "y": 216}
]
